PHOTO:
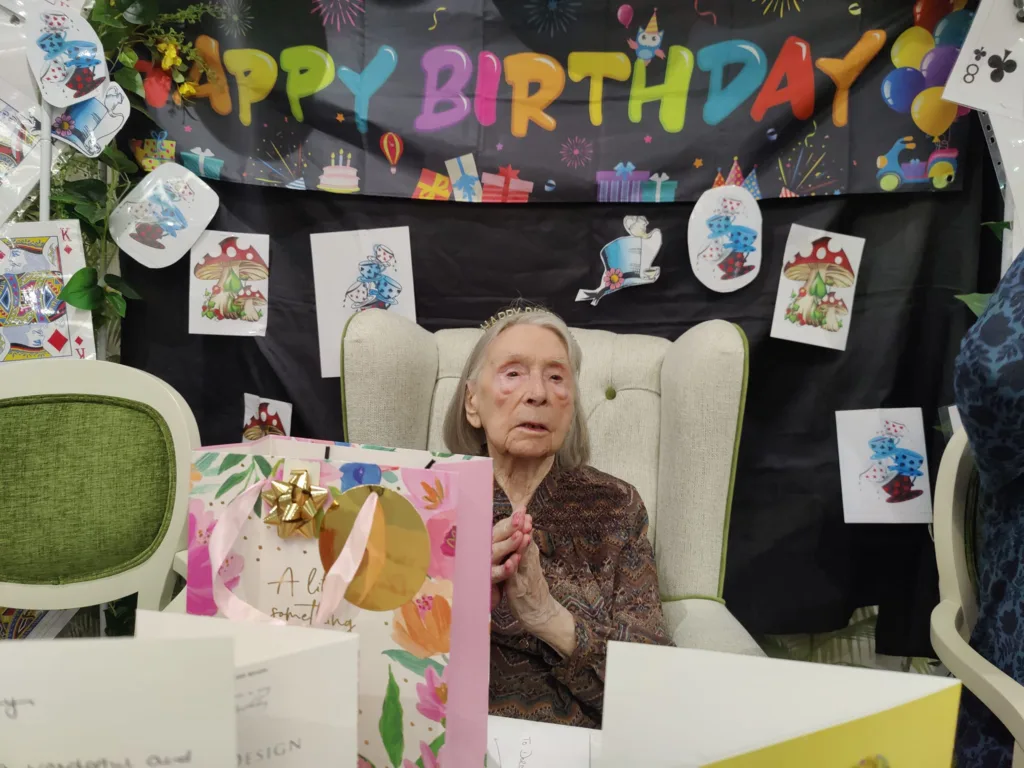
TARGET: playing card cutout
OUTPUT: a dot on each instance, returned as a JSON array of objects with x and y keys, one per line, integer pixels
[
  {"x": 883, "y": 466},
  {"x": 20, "y": 129},
  {"x": 627, "y": 260},
  {"x": 89, "y": 125},
  {"x": 66, "y": 56},
  {"x": 164, "y": 216},
  {"x": 229, "y": 284},
  {"x": 987, "y": 74},
  {"x": 353, "y": 271},
  {"x": 264, "y": 416},
  {"x": 814, "y": 303},
  {"x": 724, "y": 239},
  {"x": 36, "y": 261}
]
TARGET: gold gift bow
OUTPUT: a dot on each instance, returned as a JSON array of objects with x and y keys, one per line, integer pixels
[{"x": 297, "y": 505}]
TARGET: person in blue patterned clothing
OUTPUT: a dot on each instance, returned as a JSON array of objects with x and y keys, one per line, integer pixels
[{"x": 989, "y": 384}]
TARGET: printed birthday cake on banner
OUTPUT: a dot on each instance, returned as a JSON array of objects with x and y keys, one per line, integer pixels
[{"x": 341, "y": 179}]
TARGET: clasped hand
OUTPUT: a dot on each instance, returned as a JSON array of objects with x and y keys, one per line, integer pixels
[{"x": 516, "y": 571}]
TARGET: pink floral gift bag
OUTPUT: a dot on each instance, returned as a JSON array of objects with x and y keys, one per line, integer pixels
[{"x": 360, "y": 539}]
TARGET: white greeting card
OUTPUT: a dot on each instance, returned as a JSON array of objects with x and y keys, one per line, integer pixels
[
  {"x": 814, "y": 303},
  {"x": 264, "y": 416},
  {"x": 353, "y": 271},
  {"x": 36, "y": 261},
  {"x": 670, "y": 707},
  {"x": 229, "y": 284},
  {"x": 883, "y": 465},
  {"x": 296, "y": 691},
  {"x": 528, "y": 744},
  {"x": 117, "y": 702}
]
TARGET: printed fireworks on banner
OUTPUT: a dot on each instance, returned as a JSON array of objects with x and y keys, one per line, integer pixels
[
  {"x": 338, "y": 13},
  {"x": 279, "y": 161},
  {"x": 807, "y": 168}
]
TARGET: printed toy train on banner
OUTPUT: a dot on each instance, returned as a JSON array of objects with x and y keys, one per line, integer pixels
[{"x": 582, "y": 103}]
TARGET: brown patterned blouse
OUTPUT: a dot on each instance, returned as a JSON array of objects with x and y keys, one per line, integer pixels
[{"x": 592, "y": 533}]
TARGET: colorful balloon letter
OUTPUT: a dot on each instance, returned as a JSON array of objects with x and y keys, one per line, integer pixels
[
  {"x": 597, "y": 66},
  {"x": 722, "y": 100},
  {"x": 256, "y": 73},
  {"x": 793, "y": 64},
  {"x": 454, "y": 61},
  {"x": 310, "y": 69},
  {"x": 523, "y": 69},
  {"x": 845, "y": 71},
  {"x": 366, "y": 83},
  {"x": 672, "y": 93}
]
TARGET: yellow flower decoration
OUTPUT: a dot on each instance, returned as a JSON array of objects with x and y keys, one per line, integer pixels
[
  {"x": 187, "y": 90},
  {"x": 171, "y": 57}
]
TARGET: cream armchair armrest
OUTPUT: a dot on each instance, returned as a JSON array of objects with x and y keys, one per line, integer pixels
[
  {"x": 996, "y": 690},
  {"x": 707, "y": 625}
]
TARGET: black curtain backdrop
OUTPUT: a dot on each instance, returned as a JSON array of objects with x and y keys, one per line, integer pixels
[{"x": 793, "y": 565}]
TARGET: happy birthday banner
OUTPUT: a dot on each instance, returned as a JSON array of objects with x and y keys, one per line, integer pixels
[{"x": 564, "y": 100}]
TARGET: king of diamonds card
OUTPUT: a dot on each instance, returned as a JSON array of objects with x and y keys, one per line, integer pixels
[{"x": 36, "y": 261}]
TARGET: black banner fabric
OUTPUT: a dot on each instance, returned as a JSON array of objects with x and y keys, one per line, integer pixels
[
  {"x": 793, "y": 565},
  {"x": 569, "y": 100}
]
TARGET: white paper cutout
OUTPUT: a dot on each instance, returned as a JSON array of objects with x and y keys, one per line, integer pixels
[
  {"x": 164, "y": 216},
  {"x": 20, "y": 129},
  {"x": 627, "y": 261},
  {"x": 90, "y": 125},
  {"x": 229, "y": 284},
  {"x": 814, "y": 303},
  {"x": 264, "y": 416},
  {"x": 65, "y": 55},
  {"x": 353, "y": 271},
  {"x": 884, "y": 466},
  {"x": 724, "y": 239},
  {"x": 988, "y": 72}
]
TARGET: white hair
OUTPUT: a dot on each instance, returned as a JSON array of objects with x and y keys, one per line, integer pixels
[{"x": 462, "y": 437}]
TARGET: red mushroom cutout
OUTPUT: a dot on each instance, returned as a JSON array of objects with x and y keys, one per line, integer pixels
[
  {"x": 263, "y": 423},
  {"x": 251, "y": 300},
  {"x": 820, "y": 269},
  {"x": 229, "y": 268}
]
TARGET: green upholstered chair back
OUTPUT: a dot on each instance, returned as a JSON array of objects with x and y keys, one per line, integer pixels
[{"x": 95, "y": 479}]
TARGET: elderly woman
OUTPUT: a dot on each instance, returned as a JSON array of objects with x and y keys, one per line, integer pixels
[{"x": 571, "y": 564}]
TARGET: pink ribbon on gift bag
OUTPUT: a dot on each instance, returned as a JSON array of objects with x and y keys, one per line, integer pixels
[{"x": 336, "y": 581}]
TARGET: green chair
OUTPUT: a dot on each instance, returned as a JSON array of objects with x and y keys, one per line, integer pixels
[{"x": 95, "y": 483}]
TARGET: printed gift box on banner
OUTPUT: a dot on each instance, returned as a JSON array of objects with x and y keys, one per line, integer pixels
[
  {"x": 359, "y": 539},
  {"x": 622, "y": 185},
  {"x": 432, "y": 186},
  {"x": 465, "y": 179},
  {"x": 658, "y": 189},
  {"x": 153, "y": 152},
  {"x": 202, "y": 163},
  {"x": 505, "y": 186}
]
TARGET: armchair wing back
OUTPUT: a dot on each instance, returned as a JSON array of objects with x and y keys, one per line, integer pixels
[{"x": 663, "y": 416}]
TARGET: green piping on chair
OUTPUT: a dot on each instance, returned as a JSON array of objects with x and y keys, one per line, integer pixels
[
  {"x": 735, "y": 458},
  {"x": 344, "y": 403},
  {"x": 90, "y": 491}
]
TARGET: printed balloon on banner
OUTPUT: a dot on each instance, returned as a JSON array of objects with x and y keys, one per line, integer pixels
[
  {"x": 901, "y": 86},
  {"x": 392, "y": 146},
  {"x": 932, "y": 113},
  {"x": 625, "y": 15},
  {"x": 952, "y": 30},
  {"x": 910, "y": 47},
  {"x": 937, "y": 64}
]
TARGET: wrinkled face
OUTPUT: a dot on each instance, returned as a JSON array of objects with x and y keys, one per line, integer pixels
[{"x": 523, "y": 395}]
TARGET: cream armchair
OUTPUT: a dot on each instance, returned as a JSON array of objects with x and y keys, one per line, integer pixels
[
  {"x": 664, "y": 416},
  {"x": 953, "y": 619}
]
